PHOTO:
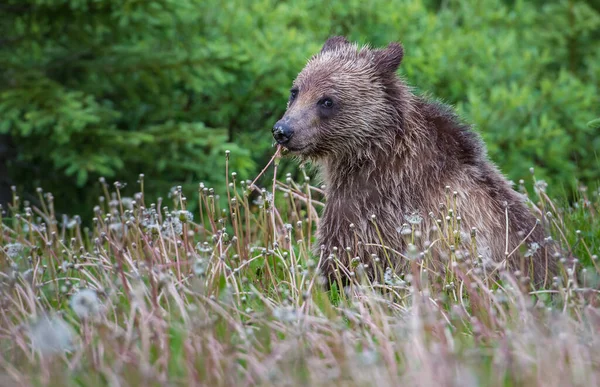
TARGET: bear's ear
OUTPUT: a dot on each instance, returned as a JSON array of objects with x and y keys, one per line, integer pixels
[
  {"x": 388, "y": 59},
  {"x": 334, "y": 42}
]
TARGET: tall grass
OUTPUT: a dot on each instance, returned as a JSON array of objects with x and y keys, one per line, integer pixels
[{"x": 151, "y": 294}]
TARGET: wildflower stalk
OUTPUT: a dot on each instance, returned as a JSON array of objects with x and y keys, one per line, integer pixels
[
  {"x": 308, "y": 205},
  {"x": 272, "y": 205},
  {"x": 380, "y": 237},
  {"x": 236, "y": 220},
  {"x": 2, "y": 227},
  {"x": 252, "y": 312}
]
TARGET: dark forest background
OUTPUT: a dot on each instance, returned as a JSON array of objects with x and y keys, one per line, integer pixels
[{"x": 115, "y": 88}]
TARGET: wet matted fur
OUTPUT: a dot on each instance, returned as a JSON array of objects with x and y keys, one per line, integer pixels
[{"x": 389, "y": 157}]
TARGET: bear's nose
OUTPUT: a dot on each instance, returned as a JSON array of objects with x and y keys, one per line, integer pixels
[{"x": 282, "y": 132}]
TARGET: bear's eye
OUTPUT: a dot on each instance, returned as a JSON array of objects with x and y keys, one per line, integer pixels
[
  {"x": 327, "y": 103},
  {"x": 293, "y": 94}
]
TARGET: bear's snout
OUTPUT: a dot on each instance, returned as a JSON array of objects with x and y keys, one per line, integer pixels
[{"x": 282, "y": 132}]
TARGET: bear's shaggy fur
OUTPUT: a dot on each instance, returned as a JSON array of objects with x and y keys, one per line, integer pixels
[{"x": 390, "y": 158}]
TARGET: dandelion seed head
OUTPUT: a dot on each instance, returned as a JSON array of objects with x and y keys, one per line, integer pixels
[
  {"x": 368, "y": 357},
  {"x": 200, "y": 267},
  {"x": 540, "y": 186},
  {"x": 392, "y": 279},
  {"x": 533, "y": 248},
  {"x": 70, "y": 223},
  {"x": 31, "y": 227},
  {"x": 85, "y": 303},
  {"x": 127, "y": 203},
  {"x": 411, "y": 252},
  {"x": 50, "y": 335},
  {"x": 413, "y": 218},
  {"x": 172, "y": 227},
  {"x": 404, "y": 230},
  {"x": 14, "y": 250}
]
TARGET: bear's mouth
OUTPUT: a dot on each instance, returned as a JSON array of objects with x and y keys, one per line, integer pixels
[{"x": 295, "y": 149}]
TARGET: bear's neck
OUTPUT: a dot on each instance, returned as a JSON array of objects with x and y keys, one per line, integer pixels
[{"x": 383, "y": 171}]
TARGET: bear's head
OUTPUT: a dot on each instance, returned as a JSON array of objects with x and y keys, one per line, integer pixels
[{"x": 344, "y": 100}]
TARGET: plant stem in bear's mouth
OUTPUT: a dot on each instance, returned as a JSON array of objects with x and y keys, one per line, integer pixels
[{"x": 277, "y": 154}]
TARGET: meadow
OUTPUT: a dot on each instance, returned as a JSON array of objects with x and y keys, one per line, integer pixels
[
  {"x": 148, "y": 293},
  {"x": 141, "y": 244}
]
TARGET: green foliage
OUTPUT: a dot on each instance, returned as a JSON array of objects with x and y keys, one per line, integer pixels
[{"x": 117, "y": 88}]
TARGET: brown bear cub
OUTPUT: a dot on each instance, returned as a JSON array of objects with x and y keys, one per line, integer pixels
[{"x": 392, "y": 161}]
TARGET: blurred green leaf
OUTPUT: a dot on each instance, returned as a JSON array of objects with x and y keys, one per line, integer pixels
[{"x": 594, "y": 124}]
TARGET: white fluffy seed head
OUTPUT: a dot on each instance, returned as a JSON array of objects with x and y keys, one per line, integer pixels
[
  {"x": 51, "y": 335},
  {"x": 85, "y": 303}
]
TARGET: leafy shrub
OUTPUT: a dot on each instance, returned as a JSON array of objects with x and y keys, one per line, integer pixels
[{"x": 114, "y": 88}]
